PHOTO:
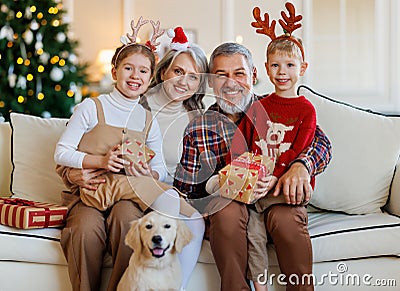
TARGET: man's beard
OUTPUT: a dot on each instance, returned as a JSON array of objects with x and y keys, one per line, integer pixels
[{"x": 230, "y": 108}]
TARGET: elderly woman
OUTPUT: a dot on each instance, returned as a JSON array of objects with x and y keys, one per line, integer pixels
[{"x": 176, "y": 94}]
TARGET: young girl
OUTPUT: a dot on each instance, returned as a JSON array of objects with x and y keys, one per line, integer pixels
[{"x": 98, "y": 126}]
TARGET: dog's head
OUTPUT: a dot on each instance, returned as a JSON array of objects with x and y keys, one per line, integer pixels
[{"x": 156, "y": 235}]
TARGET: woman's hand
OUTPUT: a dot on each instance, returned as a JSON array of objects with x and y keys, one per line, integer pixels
[
  {"x": 264, "y": 185},
  {"x": 86, "y": 178}
]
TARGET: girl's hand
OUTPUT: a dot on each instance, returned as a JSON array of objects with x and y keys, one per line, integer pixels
[
  {"x": 264, "y": 185},
  {"x": 113, "y": 160},
  {"x": 142, "y": 169}
]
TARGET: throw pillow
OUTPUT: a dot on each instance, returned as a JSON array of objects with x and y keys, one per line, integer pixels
[
  {"x": 33, "y": 144},
  {"x": 365, "y": 150},
  {"x": 5, "y": 162}
]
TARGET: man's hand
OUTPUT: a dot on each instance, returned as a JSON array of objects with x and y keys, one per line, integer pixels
[
  {"x": 86, "y": 178},
  {"x": 295, "y": 185}
]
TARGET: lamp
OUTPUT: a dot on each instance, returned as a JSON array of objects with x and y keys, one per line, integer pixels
[{"x": 104, "y": 58}]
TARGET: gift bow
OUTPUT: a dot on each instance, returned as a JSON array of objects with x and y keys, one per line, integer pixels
[{"x": 18, "y": 201}]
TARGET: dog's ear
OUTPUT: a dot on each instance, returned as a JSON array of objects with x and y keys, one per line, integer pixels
[
  {"x": 132, "y": 238},
  {"x": 183, "y": 235}
]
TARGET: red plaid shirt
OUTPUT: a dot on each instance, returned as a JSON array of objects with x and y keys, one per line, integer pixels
[{"x": 206, "y": 143}]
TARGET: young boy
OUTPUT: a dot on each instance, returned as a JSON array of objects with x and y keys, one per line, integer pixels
[{"x": 280, "y": 125}]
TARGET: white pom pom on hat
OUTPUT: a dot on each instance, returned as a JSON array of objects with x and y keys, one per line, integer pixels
[{"x": 179, "y": 40}]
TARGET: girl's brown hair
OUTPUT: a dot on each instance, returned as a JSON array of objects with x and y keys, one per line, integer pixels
[{"x": 125, "y": 51}]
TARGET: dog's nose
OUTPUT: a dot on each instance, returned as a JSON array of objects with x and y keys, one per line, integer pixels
[{"x": 156, "y": 239}]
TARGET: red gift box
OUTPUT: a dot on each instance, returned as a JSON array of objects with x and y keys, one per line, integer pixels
[{"x": 28, "y": 214}]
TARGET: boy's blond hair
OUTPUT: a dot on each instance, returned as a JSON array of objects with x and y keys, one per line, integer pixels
[{"x": 286, "y": 46}]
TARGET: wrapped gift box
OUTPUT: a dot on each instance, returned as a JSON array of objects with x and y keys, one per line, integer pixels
[
  {"x": 137, "y": 152},
  {"x": 238, "y": 179},
  {"x": 28, "y": 214}
]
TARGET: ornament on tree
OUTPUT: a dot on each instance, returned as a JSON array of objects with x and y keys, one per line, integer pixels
[
  {"x": 77, "y": 92},
  {"x": 61, "y": 37},
  {"x": 44, "y": 58},
  {"x": 21, "y": 83},
  {"x": 56, "y": 74},
  {"x": 7, "y": 32},
  {"x": 39, "y": 43},
  {"x": 73, "y": 59},
  {"x": 38, "y": 85},
  {"x": 28, "y": 36},
  {"x": 28, "y": 13},
  {"x": 12, "y": 80},
  {"x": 46, "y": 114},
  {"x": 23, "y": 51},
  {"x": 64, "y": 54},
  {"x": 4, "y": 8},
  {"x": 34, "y": 25}
]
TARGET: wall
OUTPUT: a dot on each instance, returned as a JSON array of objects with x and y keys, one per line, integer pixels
[{"x": 99, "y": 24}]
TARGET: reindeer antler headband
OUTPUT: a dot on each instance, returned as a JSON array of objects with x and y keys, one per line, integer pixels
[
  {"x": 130, "y": 39},
  {"x": 288, "y": 23}
]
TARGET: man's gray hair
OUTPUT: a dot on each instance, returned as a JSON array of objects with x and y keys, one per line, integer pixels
[{"x": 231, "y": 48}]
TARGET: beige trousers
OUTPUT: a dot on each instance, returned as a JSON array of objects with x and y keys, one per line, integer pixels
[{"x": 89, "y": 234}]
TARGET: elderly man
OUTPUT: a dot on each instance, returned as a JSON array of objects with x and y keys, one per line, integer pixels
[{"x": 206, "y": 143}]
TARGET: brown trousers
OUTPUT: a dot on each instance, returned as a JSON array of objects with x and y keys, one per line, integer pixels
[
  {"x": 89, "y": 234},
  {"x": 287, "y": 226}
]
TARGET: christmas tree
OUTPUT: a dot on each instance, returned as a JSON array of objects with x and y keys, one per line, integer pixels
[{"x": 39, "y": 71}]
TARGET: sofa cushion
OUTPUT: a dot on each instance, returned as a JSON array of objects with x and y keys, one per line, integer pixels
[
  {"x": 33, "y": 144},
  {"x": 35, "y": 246},
  {"x": 365, "y": 150},
  {"x": 337, "y": 236}
]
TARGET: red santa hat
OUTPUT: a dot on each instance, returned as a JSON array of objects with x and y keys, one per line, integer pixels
[{"x": 179, "y": 40}]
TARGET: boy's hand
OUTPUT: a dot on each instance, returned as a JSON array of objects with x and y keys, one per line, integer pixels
[
  {"x": 264, "y": 185},
  {"x": 212, "y": 185}
]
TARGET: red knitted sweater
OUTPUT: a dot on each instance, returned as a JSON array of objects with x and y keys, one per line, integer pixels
[{"x": 277, "y": 127}]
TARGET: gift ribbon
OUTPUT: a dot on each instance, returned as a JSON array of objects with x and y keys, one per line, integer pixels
[
  {"x": 18, "y": 201},
  {"x": 250, "y": 164},
  {"x": 46, "y": 216}
]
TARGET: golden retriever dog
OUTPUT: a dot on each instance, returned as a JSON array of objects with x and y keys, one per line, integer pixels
[{"x": 154, "y": 265}]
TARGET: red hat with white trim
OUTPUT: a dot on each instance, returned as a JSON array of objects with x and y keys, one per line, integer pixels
[{"x": 179, "y": 40}]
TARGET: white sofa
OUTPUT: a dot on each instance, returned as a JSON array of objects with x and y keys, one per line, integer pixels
[{"x": 354, "y": 224}]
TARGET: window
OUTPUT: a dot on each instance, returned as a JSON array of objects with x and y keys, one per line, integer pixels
[{"x": 352, "y": 49}]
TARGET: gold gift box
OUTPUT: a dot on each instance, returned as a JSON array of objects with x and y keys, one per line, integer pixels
[
  {"x": 137, "y": 152},
  {"x": 238, "y": 179}
]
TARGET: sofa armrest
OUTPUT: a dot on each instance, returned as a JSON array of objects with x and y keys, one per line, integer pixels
[{"x": 393, "y": 205}]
